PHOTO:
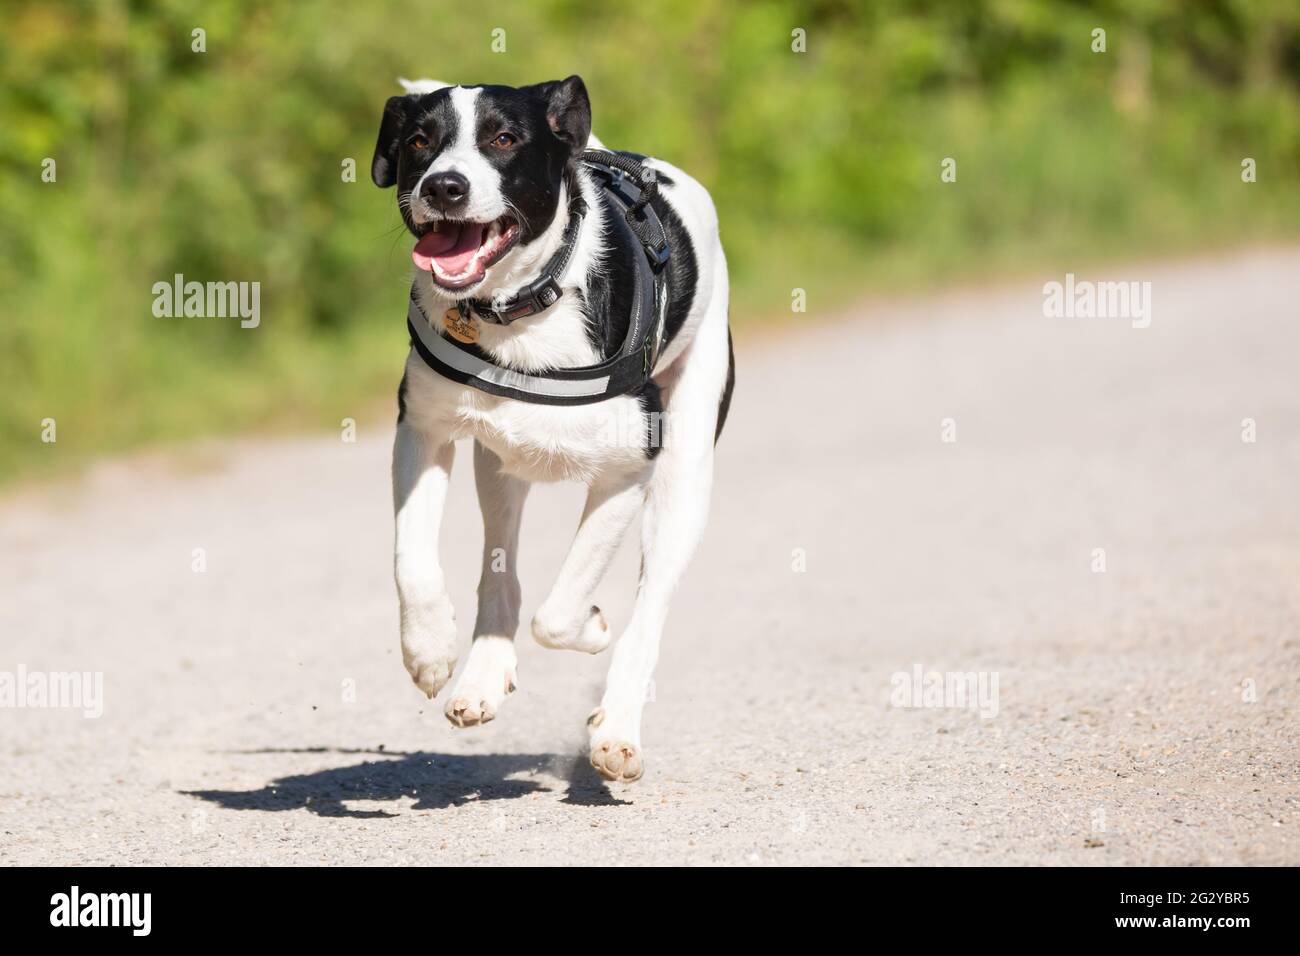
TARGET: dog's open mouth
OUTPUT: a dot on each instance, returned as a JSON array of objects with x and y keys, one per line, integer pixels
[{"x": 457, "y": 253}]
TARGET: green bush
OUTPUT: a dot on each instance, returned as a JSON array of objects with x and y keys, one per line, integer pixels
[{"x": 226, "y": 165}]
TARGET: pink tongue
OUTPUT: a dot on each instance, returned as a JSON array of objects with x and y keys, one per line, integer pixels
[{"x": 452, "y": 247}]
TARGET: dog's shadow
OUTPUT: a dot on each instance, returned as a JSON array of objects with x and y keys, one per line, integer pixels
[{"x": 431, "y": 781}]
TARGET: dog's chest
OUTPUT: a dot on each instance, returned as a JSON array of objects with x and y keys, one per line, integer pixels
[{"x": 534, "y": 442}]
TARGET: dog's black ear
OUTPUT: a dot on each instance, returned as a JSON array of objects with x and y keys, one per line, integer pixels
[
  {"x": 383, "y": 168},
  {"x": 568, "y": 111}
]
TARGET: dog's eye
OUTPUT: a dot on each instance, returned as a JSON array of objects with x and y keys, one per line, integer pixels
[
  {"x": 418, "y": 141},
  {"x": 504, "y": 141}
]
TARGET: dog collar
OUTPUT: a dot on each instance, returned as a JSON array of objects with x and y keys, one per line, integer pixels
[{"x": 629, "y": 368}]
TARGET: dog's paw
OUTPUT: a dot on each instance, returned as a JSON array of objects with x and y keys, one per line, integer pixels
[
  {"x": 488, "y": 677},
  {"x": 614, "y": 757},
  {"x": 617, "y": 760},
  {"x": 431, "y": 676},
  {"x": 589, "y": 634},
  {"x": 429, "y": 644}
]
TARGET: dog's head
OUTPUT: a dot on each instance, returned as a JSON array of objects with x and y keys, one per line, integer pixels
[{"x": 479, "y": 170}]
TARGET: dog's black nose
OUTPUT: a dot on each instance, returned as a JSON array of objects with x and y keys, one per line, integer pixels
[{"x": 445, "y": 190}]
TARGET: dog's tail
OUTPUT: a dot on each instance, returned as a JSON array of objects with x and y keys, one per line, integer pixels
[{"x": 421, "y": 86}]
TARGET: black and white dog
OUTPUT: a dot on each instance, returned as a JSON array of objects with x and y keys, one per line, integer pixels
[{"x": 487, "y": 179}]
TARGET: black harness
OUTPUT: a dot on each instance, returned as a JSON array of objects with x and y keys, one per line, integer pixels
[{"x": 631, "y": 186}]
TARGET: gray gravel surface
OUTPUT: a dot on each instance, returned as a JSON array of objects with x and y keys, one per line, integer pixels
[{"x": 258, "y": 712}]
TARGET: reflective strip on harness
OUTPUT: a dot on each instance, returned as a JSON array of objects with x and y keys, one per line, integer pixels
[{"x": 471, "y": 365}]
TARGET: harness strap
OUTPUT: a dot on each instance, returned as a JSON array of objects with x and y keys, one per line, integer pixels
[
  {"x": 471, "y": 366},
  {"x": 640, "y": 216}
]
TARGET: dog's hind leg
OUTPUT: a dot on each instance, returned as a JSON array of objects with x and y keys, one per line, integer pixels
[
  {"x": 421, "y": 471},
  {"x": 567, "y": 620},
  {"x": 489, "y": 672}
]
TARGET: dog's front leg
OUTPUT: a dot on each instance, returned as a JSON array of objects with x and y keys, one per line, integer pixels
[
  {"x": 567, "y": 620},
  {"x": 676, "y": 510},
  {"x": 489, "y": 671},
  {"x": 421, "y": 471}
]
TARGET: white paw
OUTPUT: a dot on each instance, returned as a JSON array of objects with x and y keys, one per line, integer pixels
[
  {"x": 488, "y": 677},
  {"x": 615, "y": 751},
  {"x": 431, "y": 676},
  {"x": 589, "y": 633},
  {"x": 429, "y": 646}
]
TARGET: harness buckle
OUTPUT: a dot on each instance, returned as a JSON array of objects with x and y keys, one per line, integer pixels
[
  {"x": 659, "y": 256},
  {"x": 545, "y": 291},
  {"x": 533, "y": 298}
]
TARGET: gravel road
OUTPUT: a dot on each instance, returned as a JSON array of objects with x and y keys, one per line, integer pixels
[{"x": 257, "y": 711}]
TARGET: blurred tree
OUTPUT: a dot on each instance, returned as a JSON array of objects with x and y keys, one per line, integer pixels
[{"x": 226, "y": 164}]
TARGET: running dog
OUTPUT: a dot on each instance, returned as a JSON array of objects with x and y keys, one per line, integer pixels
[{"x": 492, "y": 182}]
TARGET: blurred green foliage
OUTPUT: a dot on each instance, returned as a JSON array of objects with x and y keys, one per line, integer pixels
[{"x": 226, "y": 165}]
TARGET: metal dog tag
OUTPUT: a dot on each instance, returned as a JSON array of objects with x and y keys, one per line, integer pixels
[{"x": 461, "y": 329}]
